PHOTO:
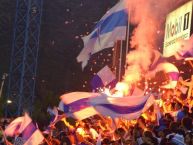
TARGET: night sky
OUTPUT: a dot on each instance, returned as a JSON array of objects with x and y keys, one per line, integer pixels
[{"x": 64, "y": 22}]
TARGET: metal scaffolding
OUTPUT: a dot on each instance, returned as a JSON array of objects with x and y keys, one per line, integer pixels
[{"x": 24, "y": 55}]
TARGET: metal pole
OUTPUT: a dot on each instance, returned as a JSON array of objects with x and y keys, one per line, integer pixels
[{"x": 2, "y": 83}]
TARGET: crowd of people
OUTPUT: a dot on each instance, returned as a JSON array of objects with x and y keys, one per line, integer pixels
[{"x": 167, "y": 122}]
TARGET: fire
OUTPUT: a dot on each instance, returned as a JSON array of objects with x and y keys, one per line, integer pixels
[{"x": 121, "y": 90}]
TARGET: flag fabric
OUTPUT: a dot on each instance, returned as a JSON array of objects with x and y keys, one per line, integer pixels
[
  {"x": 13, "y": 128},
  {"x": 172, "y": 72},
  {"x": 84, "y": 104},
  {"x": 26, "y": 131},
  {"x": 54, "y": 114},
  {"x": 159, "y": 63},
  {"x": 130, "y": 107},
  {"x": 76, "y": 105},
  {"x": 35, "y": 138},
  {"x": 110, "y": 28},
  {"x": 157, "y": 58},
  {"x": 57, "y": 116},
  {"x": 104, "y": 78}
]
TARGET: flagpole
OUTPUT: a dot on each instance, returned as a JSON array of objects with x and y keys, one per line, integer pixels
[
  {"x": 126, "y": 49},
  {"x": 120, "y": 61},
  {"x": 127, "y": 31}
]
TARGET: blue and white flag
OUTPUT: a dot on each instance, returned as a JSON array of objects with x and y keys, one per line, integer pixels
[
  {"x": 82, "y": 105},
  {"x": 104, "y": 78},
  {"x": 128, "y": 107},
  {"x": 110, "y": 28},
  {"x": 76, "y": 104},
  {"x": 30, "y": 134}
]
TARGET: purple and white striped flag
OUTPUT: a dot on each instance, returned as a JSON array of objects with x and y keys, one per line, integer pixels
[
  {"x": 82, "y": 105},
  {"x": 104, "y": 78}
]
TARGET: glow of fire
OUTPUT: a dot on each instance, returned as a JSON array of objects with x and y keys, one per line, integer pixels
[{"x": 121, "y": 90}]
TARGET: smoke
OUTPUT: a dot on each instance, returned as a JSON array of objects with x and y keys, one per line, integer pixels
[{"x": 148, "y": 17}]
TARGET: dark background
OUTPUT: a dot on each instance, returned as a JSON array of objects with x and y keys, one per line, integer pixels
[{"x": 64, "y": 22}]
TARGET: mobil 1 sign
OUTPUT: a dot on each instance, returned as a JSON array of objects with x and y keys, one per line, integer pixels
[{"x": 177, "y": 27}]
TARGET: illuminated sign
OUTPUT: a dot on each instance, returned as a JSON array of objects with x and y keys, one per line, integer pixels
[{"x": 178, "y": 26}]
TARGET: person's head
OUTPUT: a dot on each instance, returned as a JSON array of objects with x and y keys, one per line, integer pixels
[
  {"x": 186, "y": 109},
  {"x": 173, "y": 127},
  {"x": 148, "y": 138},
  {"x": 189, "y": 138},
  {"x": 191, "y": 109},
  {"x": 106, "y": 141},
  {"x": 120, "y": 132},
  {"x": 169, "y": 117},
  {"x": 178, "y": 105},
  {"x": 187, "y": 123}
]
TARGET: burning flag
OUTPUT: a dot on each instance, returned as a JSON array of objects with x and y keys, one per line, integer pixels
[{"x": 170, "y": 70}]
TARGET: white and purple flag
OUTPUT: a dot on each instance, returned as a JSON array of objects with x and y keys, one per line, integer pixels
[
  {"x": 172, "y": 72},
  {"x": 23, "y": 126},
  {"x": 82, "y": 105},
  {"x": 109, "y": 29},
  {"x": 104, "y": 78},
  {"x": 30, "y": 133},
  {"x": 13, "y": 128}
]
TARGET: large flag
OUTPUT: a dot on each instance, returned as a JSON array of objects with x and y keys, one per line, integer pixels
[
  {"x": 110, "y": 28},
  {"x": 104, "y": 78},
  {"x": 82, "y": 105}
]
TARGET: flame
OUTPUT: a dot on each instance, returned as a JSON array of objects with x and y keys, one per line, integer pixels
[{"x": 121, "y": 89}]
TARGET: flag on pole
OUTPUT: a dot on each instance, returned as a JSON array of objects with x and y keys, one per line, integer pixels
[
  {"x": 104, "y": 78},
  {"x": 29, "y": 131},
  {"x": 110, "y": 28}
]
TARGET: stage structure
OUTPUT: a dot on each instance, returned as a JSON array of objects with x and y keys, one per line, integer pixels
[{"x": 24, "y": 55}]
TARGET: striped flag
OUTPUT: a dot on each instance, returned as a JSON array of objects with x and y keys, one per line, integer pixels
[
  {"x": 159, "y": 64},
  {"x": 28, "y": 132},
  {"x": 130, "y": 107},
  {"x": 110, "y": 28},
  {"x": 13, "y": 128},
  {"x": 76, "y": 104},
  {"x": 104, "y": 78},
  {"x": 82, "y": 105},
  {"x": 172, "y": 72}
]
